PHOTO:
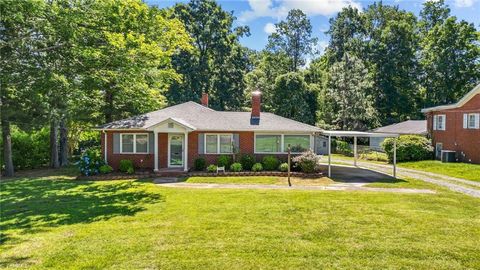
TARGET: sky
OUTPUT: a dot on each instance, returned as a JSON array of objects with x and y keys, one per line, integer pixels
[{"x": 262, "y": 15}]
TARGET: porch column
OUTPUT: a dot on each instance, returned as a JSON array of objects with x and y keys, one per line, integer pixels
[
  {"x": 186, "y": 153},
  {"x": 355, "y": 151},
  {"x": 395, "y": 158},
  {"x": 329, "y": 155},
  {"x": 155, "y": 151}
]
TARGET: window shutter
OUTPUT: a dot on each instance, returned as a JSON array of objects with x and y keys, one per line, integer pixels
[
  {"x": 151, "y": 142},
  {"x": 435, "y": 118},
  {"x": 236, "y": 142},
  {"x": 201, "y": 143},
  {"x": 465, "y": 120},
  {"x": 116, "y": 143},
  {"x": 477, "y": 120}
]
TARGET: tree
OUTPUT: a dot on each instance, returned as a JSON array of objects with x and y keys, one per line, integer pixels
[
  {"x": 293, "y": 37},
  {"x": 449, "y": 55},
  {"x": 294, "y": 99},
  {"x": 349, "y": 83},
  {"x": 218, "y": 62}
]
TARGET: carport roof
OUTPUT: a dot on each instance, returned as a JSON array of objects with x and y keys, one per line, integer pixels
[{"x": 346, "y": 133}]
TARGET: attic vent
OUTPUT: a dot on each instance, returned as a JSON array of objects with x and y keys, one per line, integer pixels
[{"x": 170, "y": 125}]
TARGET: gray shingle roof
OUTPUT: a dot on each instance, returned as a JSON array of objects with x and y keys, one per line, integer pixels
[
  {"x": 203, "y": 118},
  {"x": 417, "y": 127}
]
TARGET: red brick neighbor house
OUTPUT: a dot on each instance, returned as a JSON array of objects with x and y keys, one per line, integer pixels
[
  {"x": 173, "y": 137},
  {"x": 456, "y": 127}
]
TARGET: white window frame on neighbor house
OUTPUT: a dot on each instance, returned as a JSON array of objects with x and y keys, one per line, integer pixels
[
  {"x": 134, "y": 143},
  {"x": 282, "y": 148},
  {"x": 436, "y": 122},
  {"x": 218, "y": 143},
  {"x": 468, "y": 123}
]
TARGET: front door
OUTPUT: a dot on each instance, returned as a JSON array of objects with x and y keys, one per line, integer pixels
[{"x": 175, "y": 150}]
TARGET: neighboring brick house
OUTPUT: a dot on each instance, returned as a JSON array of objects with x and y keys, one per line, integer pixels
[
  {"x": 173, "y": 137},
  {"x": 456, "y": 127}
]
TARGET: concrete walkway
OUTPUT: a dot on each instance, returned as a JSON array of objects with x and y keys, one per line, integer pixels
[
  {"x": 452, "y": 183},
  {"x": 339, "y": 187}
]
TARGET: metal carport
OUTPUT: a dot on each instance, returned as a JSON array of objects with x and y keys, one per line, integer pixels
[{"x": 355, "y": 135}]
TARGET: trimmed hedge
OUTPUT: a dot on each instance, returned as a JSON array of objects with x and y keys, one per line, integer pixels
[{"x": 409, "y": 148}]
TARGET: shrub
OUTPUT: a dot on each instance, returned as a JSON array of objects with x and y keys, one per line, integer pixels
[
  {"x": 343, "y": 148},
  {"x": 90, "y": 162},
  {"x": 104, "y": 169},
  {"x": 125, "y": 165},
  {"x": 247, "y": 161},
  {"x": 200, "y": 164},
  {"x": 283, "y": 167},
  {"x": 270, "y": 163},
  {"x": 257, "y": 167},
  {"x": 409, "y": 148},
  {"x": 308, "y": 161},
  {"x": 236, "y": 167},
  {"x": 224, "y": 161},
  {"x": 212, "y": 168},
  {"x": 130, "y": 170}
]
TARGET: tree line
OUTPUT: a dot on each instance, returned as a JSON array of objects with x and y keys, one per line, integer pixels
[{"x": 69, "y": 65}]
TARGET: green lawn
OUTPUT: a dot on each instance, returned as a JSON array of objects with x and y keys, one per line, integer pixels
[
  {"x": 460, "y": 170},
  {"x": 56, "y": 222},
  {"x": 271, "y": 180}
]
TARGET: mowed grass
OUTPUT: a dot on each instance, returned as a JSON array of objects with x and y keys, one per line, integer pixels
[
  {"x": 59, "y": 223},
  {"x": 460, "y": 170},
  {"x": 269, "y": 180}
]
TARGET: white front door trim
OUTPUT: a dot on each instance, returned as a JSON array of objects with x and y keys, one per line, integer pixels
[{"x": 169, "y": 150}]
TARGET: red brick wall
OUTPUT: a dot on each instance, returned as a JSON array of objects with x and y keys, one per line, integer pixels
[
  {"x": 246, "y": 140},
  {"x": 466, "y": 142}
]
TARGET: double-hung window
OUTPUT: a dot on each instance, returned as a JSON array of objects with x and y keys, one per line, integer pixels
[
  {"x": 218, "y": 143},
  {"x": 471, "y": 120},
  {"x": 439, "y": 122},
  {"x": 132, "y": 143}
]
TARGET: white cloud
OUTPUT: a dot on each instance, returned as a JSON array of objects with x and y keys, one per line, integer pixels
[
  {"x": 269, "y": 28},
  {"x": 279, "y": 9},
  {"x": 322, "y": 46},
  {"x": 464, "y": 3}
]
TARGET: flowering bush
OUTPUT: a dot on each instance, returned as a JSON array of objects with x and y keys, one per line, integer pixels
[
  {"x": 283, "y": 167},
  {"x": 308, "y": 161},
  {"x": 90, "y": 162}
]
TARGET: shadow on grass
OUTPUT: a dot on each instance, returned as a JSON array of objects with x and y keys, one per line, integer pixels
[{"x": 32, "y": 205}]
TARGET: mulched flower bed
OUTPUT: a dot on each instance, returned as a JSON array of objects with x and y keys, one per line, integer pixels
[{"x": 146, "y": 174}]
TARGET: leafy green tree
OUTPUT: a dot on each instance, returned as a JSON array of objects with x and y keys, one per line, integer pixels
[
  {"x": 293, "y": 37},
  {"x": 217, "y": 64},
  {"x": 351, "y": 106},
  {"x": 449, "y": 55},
  {"x": 294, "y": 99}
]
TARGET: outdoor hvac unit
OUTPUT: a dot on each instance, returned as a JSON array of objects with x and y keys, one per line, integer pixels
[{"x": 448, "y": 156}]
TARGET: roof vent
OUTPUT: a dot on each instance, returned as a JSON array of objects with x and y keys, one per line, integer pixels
[{"x": 170, "y": 125}]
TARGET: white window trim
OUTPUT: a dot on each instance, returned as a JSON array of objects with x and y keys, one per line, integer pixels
[
  {"x": 134, "y": 143},
  {"x": 282, "y": 150},
  {"x": 218, "y": 143},
  {"x": 475, "y": 120},
  {"x": 436, "y": 122}
]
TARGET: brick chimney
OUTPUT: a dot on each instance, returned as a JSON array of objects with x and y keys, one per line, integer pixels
[
  {"x": 256, "y": 102},
  {"x": 204, "y": 99}
]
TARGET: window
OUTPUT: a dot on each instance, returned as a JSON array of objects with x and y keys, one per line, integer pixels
[
  {"x": 218, "y": 143},
  {"x": 268, "y": 143},
  {"x": 298, "y": 143},
  {"x": 439, "y": 122},
  {"x": 134, "y": 143},
  {"x": 471, "y": 121}
]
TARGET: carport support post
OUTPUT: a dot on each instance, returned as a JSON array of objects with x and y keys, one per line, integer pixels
[
  {"x": 355, "y": 151},
  {"x": 395, "y": 158},
  {"x": 329, "y": 155}
]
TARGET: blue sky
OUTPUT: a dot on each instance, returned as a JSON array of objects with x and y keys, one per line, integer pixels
[{"x": 261, "y": 15}]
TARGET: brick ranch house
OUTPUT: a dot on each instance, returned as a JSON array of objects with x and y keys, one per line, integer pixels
[
  {"x": 456, "y": 127},
  {"x": 173, "y": 137}
]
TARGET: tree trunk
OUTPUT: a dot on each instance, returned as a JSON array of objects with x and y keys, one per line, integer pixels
[
  {"x": 63, "y": 143},
  {"x": 7, "y": 148},
  {"x": 54, "y": 144},
  {"x": 108, "y": 105}
]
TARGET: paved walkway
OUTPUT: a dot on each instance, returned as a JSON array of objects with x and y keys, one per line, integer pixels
[
  {"x": 295, "y": 187},
  {"x": 451, "y": 183}
]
